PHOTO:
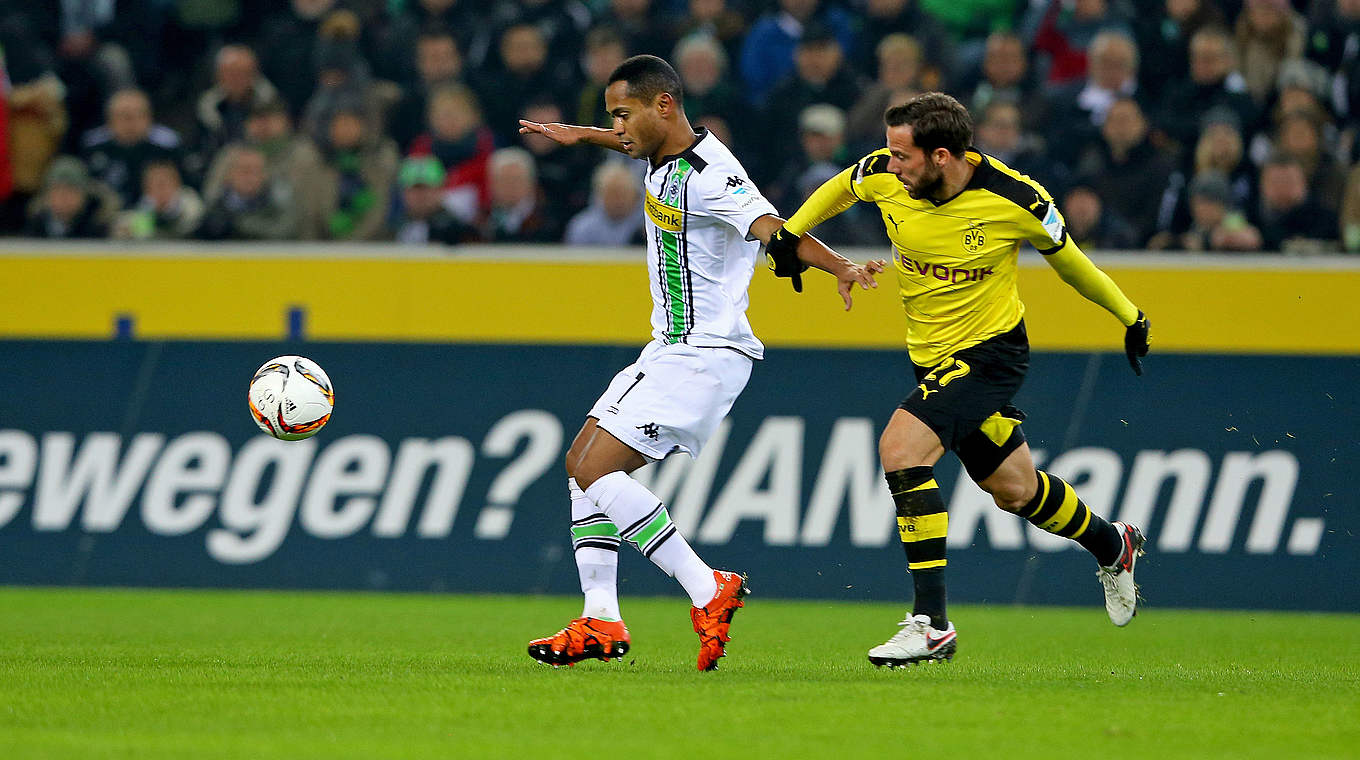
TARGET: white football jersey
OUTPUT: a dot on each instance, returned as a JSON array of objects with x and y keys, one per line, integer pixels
[{"x": 700, "y": 206}]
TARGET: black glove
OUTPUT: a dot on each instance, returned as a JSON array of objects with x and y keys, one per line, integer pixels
[
  {"x": 1136, "y": 342},
  {"x": 782, "y": 253}
]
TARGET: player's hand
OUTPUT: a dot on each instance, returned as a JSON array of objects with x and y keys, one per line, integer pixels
[
  {"x": 782, "y": 253},
  {"x": 1136, "y": 342},
  {"x": 861, "y": 275},
  {"x": 565, "y": 134}
]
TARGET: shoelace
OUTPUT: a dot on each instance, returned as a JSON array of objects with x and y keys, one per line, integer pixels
[
  {"x": 1109, "y": 578},
  {"x": 907, "y": 628}
]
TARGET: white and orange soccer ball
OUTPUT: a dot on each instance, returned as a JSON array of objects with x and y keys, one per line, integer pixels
[{"x": 291, "y": 398}]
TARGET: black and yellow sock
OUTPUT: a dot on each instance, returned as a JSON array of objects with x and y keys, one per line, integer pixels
[
  {"x": 1056, "y": 509},
  {"x": 922, "y": 522}
]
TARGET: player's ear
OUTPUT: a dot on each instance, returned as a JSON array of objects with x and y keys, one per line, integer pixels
[{"x": 665, "y": 104}]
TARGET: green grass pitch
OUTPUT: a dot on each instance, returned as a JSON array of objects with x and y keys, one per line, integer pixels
[{"x": 189, "y": 674}]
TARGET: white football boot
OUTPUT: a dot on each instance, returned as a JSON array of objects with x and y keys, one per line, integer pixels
[
  {"x": 1121, "y": 593},
  {"x": 916, "y": 642}
]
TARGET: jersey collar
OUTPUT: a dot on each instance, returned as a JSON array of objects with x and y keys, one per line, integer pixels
[
  {"x": 982, "y": 169},
  {"x": 688, "y": 153}
]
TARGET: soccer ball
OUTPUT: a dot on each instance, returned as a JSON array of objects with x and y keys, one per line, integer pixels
[{"x": 291, "y": 398}]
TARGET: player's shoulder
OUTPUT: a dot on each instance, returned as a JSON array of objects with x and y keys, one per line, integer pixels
[
  {"x": 1014, "y": 191},
  {"x": 873, "y": 164},
  {"x": 712, "y": 161}
]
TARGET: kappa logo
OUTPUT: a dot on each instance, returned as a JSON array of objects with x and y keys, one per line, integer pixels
[
  {"x": 650, "y": 430},
  {"x": 737, "y": 185}
]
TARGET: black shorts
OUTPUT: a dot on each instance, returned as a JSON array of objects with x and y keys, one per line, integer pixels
[{"x": 966, "y": 400}]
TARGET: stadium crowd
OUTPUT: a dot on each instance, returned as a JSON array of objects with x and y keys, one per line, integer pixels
[{"x": 1224, "y": 125}]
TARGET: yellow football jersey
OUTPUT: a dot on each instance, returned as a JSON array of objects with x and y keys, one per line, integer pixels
[{"x": 956, "y": 259}]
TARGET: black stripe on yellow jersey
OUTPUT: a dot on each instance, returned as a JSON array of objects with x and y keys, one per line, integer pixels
[{"x": 956, "y": 258}]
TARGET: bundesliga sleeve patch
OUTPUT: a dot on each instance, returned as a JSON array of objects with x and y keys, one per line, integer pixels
[{"x": 1053, "y": 224}]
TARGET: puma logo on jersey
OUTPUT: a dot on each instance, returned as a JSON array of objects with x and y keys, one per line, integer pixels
[{"x": 894, "y": 222}]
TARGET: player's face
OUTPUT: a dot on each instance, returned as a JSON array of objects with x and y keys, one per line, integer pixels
[
  {"x": 919, "y": 173},
  {"x": 636, "y": 123}
]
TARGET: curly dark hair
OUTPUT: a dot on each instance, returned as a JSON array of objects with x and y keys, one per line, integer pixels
[{"x": 937, "y": 120}]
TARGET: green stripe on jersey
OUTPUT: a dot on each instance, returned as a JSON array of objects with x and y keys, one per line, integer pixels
[{"x": 672, "y": 258}]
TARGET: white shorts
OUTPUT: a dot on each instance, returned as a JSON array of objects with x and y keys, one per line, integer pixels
[{"x": 672, "y": 398}]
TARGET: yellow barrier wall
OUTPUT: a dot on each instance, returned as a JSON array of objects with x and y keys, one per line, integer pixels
[{"x": 1201, "y": 305}]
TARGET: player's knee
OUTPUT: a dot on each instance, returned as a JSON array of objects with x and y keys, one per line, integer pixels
[{"x": 1010, "y": 495}]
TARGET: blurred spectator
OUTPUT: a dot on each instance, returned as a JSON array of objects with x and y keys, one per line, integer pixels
[
  {"x": 102, "y": 47},
  {"x": 269, "y": 128},
  {"x": 1093, "y": 227},
  {"x": 604, "y": 51},
  {"x": 1216, "y": 221},
  {"x": 518, "y": 213},
  {"x": 251, "y": 206},
  {"x": 1164, "y": 40},
  {"x": 1301, "y": 89},
  {"x": 419, "y": 19},
  {"x": 168, "y": 210},
  {"x": 32, "y": 135},
  {"x": 1219, "y": 150},
  {"x": 223, "y": 108},
  {"x": 342, "y": 74},
  {"x": 463, "y": 144},
  {"x": 1080, "y": 107},
  {"x": 117, "y": 151},
  {"x": 716, "y": 19},
  {"x": 562, "y": 25},
  {"x": 525, "y": 73},
  {"x": 710, "y": 93},
  {"x": 821, "y": 139},
  {"x": 1350, "y": 213},
  {"x": 1334, "y": 42},
  {"x": 899, "y": 68},
  {"x": 893, "y": 18},
  {"x": 767, "y": 53},
  {"x": 970, "y": 22},
  {"x": 561, "y": 170},
  {"x": 288, "y": 49},
  {"x": 439, "y": 62},
  {"x": 1289, "y": 218},
  {"x": 421, "y": 217},
  {"x": 348, "y": 194},
  {"x": 614, "y": 216},
  {"x": 641, "y": 26},
  {"x": 1006, "y": 75},
  {"x": 1063, "y": 33},
  {"x": 71, "y": 205},
  {"x": 1213, "y": 82},
  {"x": 1268, "y": 33},
  {"x": 1299, "y": 136},
  {"x": 820, "y": 75},
  {"x": 1125, "y": 169},
  {"x": 1001, "y": 133}
]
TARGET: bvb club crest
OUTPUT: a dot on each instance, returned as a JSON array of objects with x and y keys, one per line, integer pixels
[{"x": 974, "y": 238}]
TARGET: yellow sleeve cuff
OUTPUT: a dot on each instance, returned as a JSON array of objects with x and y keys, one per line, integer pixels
[{"x": 833, "y": 197}]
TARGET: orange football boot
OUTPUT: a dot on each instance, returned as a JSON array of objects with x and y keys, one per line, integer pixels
[
  {"x": 584, "y": 638},
  {"x": 713, "y": 620}
]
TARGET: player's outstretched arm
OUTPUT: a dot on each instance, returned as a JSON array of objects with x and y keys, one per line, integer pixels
[
  {"x": 571, "y": 134},
  {"x": 790, "y": 255},
  {"x": 1085, "y": 277}
]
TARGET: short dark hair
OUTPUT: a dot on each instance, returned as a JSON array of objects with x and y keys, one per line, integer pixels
[
  {"x": 647, "y": 77},
  {"x": 937, "y": 120}
]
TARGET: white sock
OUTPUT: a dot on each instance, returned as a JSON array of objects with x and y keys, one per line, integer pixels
[
  {"x": 595, "y": 542},
  {"x": 642, "y": 519}
]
